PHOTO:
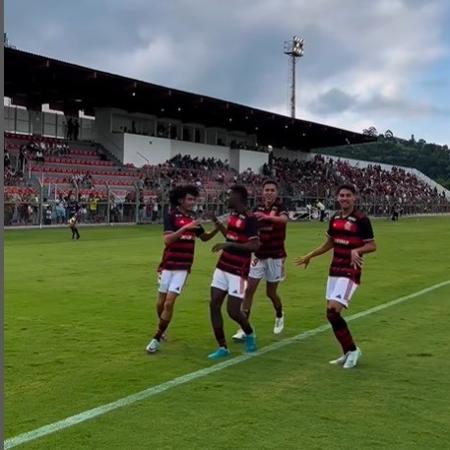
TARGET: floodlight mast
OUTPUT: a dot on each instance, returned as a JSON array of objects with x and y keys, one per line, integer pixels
[{"x": 294, "y": 49}]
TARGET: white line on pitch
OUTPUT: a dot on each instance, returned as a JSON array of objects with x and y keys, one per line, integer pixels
[{"x": 152, "y": 391}]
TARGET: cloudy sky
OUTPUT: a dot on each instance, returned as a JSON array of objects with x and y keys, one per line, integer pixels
[{"x": 382, "y": 62}]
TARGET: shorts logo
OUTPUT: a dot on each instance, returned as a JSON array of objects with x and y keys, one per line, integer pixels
[
  {"x": 235, "y": 292},
  {"x": 339, "y": 296},
  {"x": 177, "y": 289}
]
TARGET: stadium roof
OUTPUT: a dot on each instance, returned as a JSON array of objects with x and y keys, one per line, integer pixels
[{"x": 32, "y": 80}]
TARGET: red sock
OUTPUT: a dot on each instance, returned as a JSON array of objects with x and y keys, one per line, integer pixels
[
  {"x": 341, "y": 330},
  {"x": 163, "y": 324}
]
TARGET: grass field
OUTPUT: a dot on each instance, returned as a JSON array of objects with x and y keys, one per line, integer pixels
[{"x": 79, "y": 314}]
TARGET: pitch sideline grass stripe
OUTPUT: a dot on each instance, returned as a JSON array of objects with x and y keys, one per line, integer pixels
[{"x": 152, "y": 391}]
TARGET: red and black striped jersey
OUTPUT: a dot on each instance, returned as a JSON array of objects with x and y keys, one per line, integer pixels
[
  {"x": 347, "y": 234},
  {"x": 272, "y": 235},
  {"x": 180, "y": 254},
  {"x": 241, "y": 228}
]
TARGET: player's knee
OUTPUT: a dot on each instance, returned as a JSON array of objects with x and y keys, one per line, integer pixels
[
  {"x": 271, "y": 293},
  {"x": 332, "y": 315},
  {"x": 214, "y": 305},
  {"x": 233, "y": 312},
  {"x": 168, "y": 305}
]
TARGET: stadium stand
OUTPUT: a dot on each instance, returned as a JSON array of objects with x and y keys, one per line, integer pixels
[{"x": 133, "y": 146}]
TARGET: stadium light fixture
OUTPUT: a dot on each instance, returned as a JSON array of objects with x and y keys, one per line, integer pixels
[{"x": 294, "y": 49}]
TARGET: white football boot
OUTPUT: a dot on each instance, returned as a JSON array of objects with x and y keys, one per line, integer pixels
[
  {"x": 153, "y": 346},
  {"x": 352, "y": 359}
]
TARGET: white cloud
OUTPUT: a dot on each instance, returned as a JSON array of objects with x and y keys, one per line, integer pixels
[{"x": 370, "y": 53}]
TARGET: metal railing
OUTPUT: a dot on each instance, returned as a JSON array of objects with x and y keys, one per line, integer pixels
[{"x": 40, "y": 210}]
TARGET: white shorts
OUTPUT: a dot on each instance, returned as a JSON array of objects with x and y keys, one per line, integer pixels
[
  {"x": 271, "y": 269},
  {"x": 340, "y": 290},
  {"x": 228, "y": 282},
  {"x": 172, "y": 281}
]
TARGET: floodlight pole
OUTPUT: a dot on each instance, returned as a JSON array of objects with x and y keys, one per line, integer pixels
[{"x": 294, "y": 49}]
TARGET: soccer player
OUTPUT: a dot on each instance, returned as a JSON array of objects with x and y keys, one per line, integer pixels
[
  {"x": 232, "y": 270},
  {"x": 180, "y": 231},
  {"x": 269, "y": 260},
  {"x": 350, "y": 235},
  {"x": 74, "y": 211}
]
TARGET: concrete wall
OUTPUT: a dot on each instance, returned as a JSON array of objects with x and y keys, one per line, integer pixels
[
  {"x": 251, "y": 159},
  {"x": 114, "y": 142},
  {"x": 292, "y": 154},
  {"x": 200, "y": 150},
  {"x": 141, "y": 150}
]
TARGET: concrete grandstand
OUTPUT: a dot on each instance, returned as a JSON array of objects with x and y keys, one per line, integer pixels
[{"x": 134, "y": 140}]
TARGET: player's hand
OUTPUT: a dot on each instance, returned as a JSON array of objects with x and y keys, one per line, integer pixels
[
  {"x": 302, "y": 260},
  {"x": 260, "y": 215},
  {"x": 192, "y": 225},
  {"x": 211, "y": 215},
  {"x": 357, "y": 259},
  {"x": 217, "y": 247}
]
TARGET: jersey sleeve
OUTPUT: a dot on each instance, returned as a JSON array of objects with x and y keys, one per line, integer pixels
[
  {"x": 251, "y": 230},
  {"x": 365, "y": 229},
  {"x": 169, "y": 225},
  {"x": 282, "y": 210}
]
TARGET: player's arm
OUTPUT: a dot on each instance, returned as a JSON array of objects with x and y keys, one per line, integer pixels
[
  {"x": 324, "y": 248},
  {"x": 208, "y": 235},
  {"x": 251, "y": 246},
  {"x": 282, "y": 218},
  {"x": 253, "y": 243},
  {"x": 219, "y": 225},
  {"x": 172, "y": 236},
  {"x": 370, "y": 246}
]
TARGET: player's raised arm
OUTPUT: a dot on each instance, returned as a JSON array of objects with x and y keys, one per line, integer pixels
[
  {"x": 172, "y": 236},
  {"x": 324, "y": 248},
  {"x": 219, "y": 225},
  {"x": 208, "y": 235}
]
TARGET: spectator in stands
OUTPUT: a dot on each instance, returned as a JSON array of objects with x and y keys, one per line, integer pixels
[
  {"x": 93, "y": 205},
  {"x": 76, "y": 130},
  {"x": 70, "y": 129},
  {"x": 60, "y": 211},
  {"x": 40, "y": 156},
  {"x": 48, "y": 215},
  {"x": 155, "y": 210},
  {"x": 321, "y": 208},
  {"x": 6, "y": 160}
]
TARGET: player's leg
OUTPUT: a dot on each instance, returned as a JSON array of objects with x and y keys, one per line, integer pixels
[
  {"x": 177, "y": 280},
  {"x": 166, "y": 315},
  {"x": 234, "y": 309},
  {"x": 271, "y": 291},
  {"x": 274, "y": 275},
  {"x": 160, "y": 303},
  {"x": 252, "y": 285},
  {"x": 339, "y": 293},
  {"x": 215, "y": 309},
  {"x": 160, "y": 308},
  {"x": 170, "y": 286},
  {"x": 257, "y": 270}
]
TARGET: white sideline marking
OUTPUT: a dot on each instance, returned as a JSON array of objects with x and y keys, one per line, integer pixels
[{"x": 150, "y": 392}]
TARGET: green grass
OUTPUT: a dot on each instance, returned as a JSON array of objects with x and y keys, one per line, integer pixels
[{"x": 79, "y": 314}]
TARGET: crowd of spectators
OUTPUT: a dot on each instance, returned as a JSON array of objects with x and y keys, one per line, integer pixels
[
  {"x": 311, "y": 180},
  {"x": 319, "y": 176}
]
